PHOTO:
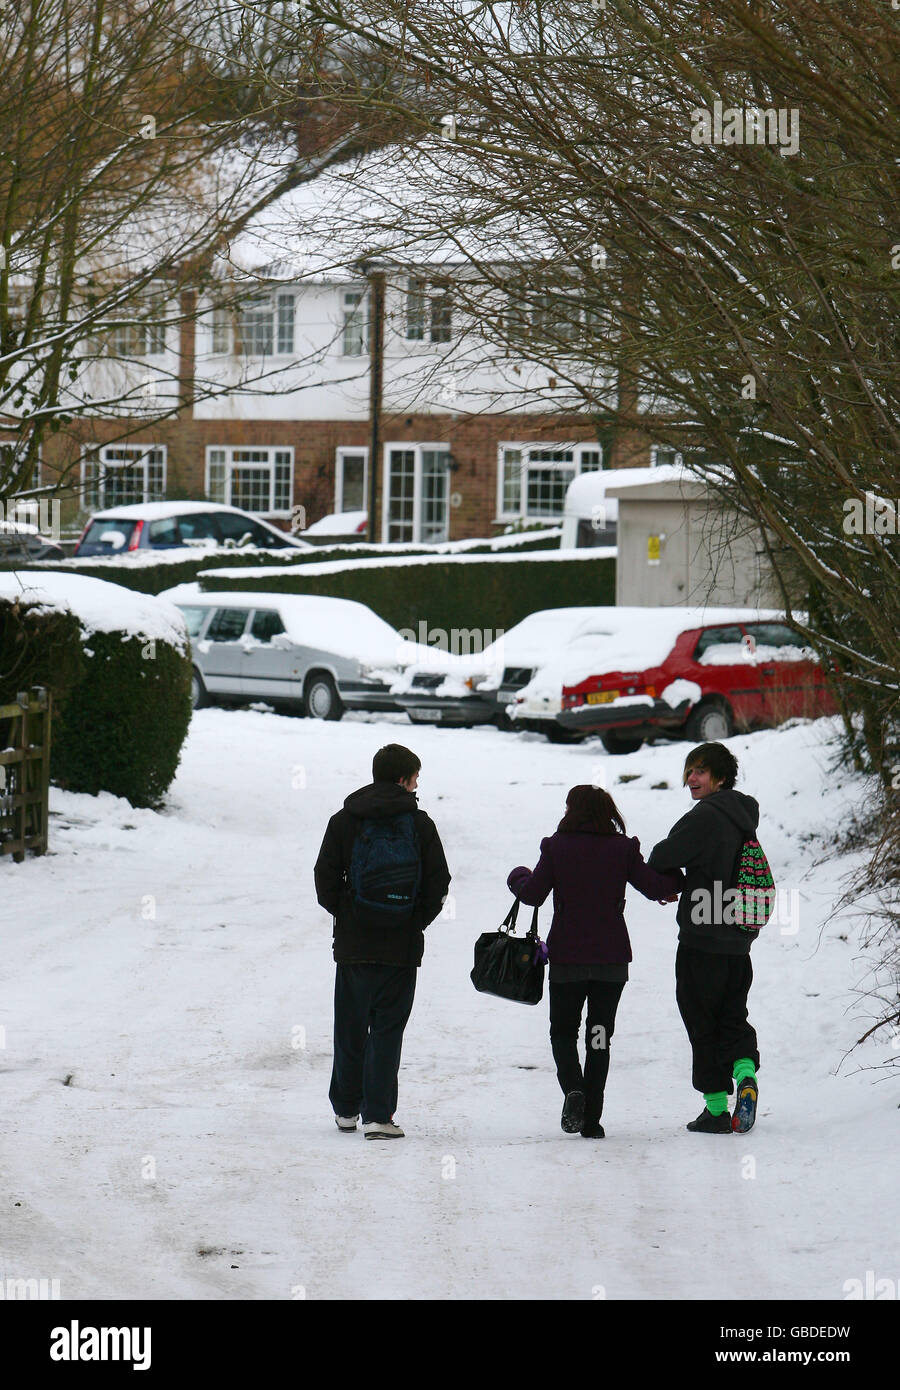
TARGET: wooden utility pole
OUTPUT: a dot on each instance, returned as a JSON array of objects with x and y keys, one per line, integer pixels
[{"x": 376, "y": 382}]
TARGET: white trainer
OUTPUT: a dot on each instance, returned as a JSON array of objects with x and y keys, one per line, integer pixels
[
  {"x": 373, "y": 1130},
  {"x": 346, "y": 1122}
]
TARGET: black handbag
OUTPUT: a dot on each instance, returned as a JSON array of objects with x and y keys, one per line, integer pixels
[{"x": 508, "y": 965}]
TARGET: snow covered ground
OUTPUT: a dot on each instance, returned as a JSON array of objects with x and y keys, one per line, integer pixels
[{"x": 166, "y": 1002}]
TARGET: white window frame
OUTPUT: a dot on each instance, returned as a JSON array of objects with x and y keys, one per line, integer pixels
[
  {"x": 342, "y": 451},
  {"x": 96, "y": 488},
  {"x": 353, "y": 315},
  {"x": 423, "y": 300},
  {"x": 221, "y": 328},
  {"x": 578, "y": 450},
  {"x": 230, "y": 464},
  {"x": 272, "y": 302},
  {"x": 657, "y": 449},
  {"x": 150, "y": 338},
  {"x": 418, "y": 449}
]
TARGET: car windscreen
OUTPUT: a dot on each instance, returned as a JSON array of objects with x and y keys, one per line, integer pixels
[
  {"x": 193, "y": 618},
  {"x": 112, "y": 534}
]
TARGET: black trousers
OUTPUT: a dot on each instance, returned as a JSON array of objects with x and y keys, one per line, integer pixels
[
  {"x": 372, "y": 1004},
  {"x": 566, "y": 1005},
  {"x": 711, "y": 993}
]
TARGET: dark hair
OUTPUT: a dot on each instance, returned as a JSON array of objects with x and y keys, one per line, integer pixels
[
  {"x": 714, "y": 758},
  {"x": 394, "y": 763},
  {"x": 592, "y": 809}
]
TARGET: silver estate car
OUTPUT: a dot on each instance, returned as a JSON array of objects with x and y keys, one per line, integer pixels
[{"x": 303, "y": 652}]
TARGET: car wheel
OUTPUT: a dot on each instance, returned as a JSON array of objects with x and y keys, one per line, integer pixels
[
  {"x": 557, "y": 734},
  {"x": 614, "y": 742},
  {"x": 199, "y": 697},
  {"x": 322, "y": 699},
  {"x": 709, "y": 723}
]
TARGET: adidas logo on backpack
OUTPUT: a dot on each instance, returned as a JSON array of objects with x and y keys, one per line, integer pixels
[{"x": 386, "y": 866}]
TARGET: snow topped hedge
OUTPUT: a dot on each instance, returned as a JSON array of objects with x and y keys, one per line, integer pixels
[{"x": 118, "y": 666}]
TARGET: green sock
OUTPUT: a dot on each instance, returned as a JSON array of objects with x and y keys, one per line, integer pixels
[
  {"x": 716, "y": 1102},
  {"x": 743, "y": 1068}
]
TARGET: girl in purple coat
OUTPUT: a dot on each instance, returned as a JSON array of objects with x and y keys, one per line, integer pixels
[{"x": 587, "y": 863}]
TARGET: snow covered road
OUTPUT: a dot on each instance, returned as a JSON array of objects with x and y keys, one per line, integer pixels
[{"x": 166, "y": 1001}]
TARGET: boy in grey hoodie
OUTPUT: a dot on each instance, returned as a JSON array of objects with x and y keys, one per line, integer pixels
[{"x": 713, "y": 973}]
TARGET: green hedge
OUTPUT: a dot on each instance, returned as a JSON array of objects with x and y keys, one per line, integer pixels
[
  {"x": 121, "y": 708},
  {"x": 476, "y": 594},
  {"x": 153, "y": 579}
]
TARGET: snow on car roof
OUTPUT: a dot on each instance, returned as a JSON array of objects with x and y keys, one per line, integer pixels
[
  {"x": 337, "y": 524},
  {"x": 639, "y": 638},
  {"x": 338, "y": 625},
  {"x": 99, "y": 605},
  {"x": 159, "y": 511}
]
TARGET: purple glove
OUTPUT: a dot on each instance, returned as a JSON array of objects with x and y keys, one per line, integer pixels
[{"x": 541, "y": 954}]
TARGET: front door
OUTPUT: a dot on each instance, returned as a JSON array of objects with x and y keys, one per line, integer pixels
[{"x": 418, "y": 494}]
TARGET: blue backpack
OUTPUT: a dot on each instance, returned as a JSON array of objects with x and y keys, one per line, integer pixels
[{"x": 386, "y": 866}]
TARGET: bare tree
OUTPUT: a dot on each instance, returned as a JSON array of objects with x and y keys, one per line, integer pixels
[
  {"x": 702, "y": 201},
  {"x": 140, "y": 137}
]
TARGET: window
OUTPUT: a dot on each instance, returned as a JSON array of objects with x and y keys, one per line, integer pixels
[
  {"x": 534, "y": 478},
  {"x": 164, "y": 533},
  {"x": 257, "y": 480},
  {"x": 193, "y": 618},
  {"x": 557, "y": 316},
  {"x": 351, "y": 478},
  {"x": 266, "y": 624},
  {"x": 717, "y": 637},
  {"x": 139, "y": 337},
  {"x": 355, "y": 337},
  {"x": 428, "y": 317},
  {"x": 266, "y": 325},
  {"x": 197, "y": 526},
  {"x": 776, "y": 635},
  {"x": 418, "y": 493},
  {"x": 123, "y": 474},
  {"x": 661, "y": 454},
  {"x": 220, "y": 332},
  {"x": 239, "y": 530},
  {"x": 415, "y": 310},
  {"x": 227, "y": 625}
]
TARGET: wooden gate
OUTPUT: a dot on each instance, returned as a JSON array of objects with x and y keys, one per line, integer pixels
[{"x": 25, "y": 765}]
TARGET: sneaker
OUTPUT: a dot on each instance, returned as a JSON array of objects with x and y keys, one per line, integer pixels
[
  {"x": 593, "y": 1130},
  {"x": 572, "y": 1117},
  {"x": 711, "y": 1124},
  {"x": 745, "y": 1105},
  {"x": 373, "y": 1130},
  {"x": 347, "y": 1123}
]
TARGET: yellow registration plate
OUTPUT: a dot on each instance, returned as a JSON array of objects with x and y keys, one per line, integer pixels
[{"x": 602, "y": 697}]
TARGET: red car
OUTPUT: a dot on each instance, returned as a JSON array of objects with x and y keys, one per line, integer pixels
[{"x": 715, "y": 680}]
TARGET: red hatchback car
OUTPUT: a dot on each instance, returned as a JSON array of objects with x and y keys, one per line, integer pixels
[{"x": 715, "y": 680}]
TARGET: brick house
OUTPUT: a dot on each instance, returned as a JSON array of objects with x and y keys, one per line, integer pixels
[{"x": 275, "y": 414}]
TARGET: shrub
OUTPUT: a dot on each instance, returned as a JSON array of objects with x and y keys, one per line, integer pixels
[
  {"x": 121, "y": 697},
  {"x": 474, "y": 593}
]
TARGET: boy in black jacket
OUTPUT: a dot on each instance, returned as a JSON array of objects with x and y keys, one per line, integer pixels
[
  {"x": 713, "y": 973},
  {"x": 377, "y": 951}
]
